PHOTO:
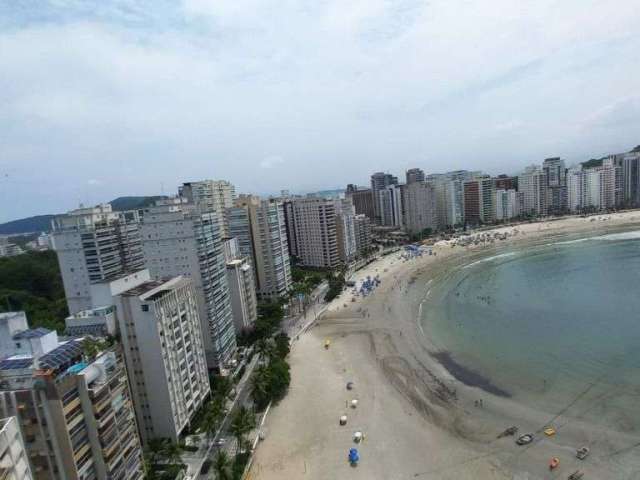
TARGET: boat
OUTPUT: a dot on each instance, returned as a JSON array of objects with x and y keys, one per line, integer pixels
[
  {"x": 553, "y": 463},
  {"x": 509, "y": 432},
  {"x": 525, "y": 439},
  {"x": 549, "y": 431},
  {"x": 327, "y": 342},
  {"x": 577, "y": 475},
  {"x": 582, "y": 453}
]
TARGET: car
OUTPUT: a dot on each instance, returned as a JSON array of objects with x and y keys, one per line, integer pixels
[
  {"x": 221, "y": 441},
  {"x": 525, "y": 439}
]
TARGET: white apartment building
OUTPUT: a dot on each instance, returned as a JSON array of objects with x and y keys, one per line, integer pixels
[
  {"x": 242, "y": 287},
  {"x": 531, "y": 183},
  {"x": 421, "y": 207},
  {"x": 346, "y": 230},
  {"x": 94, "y": 244},
  {"x": 595, "y": 188},
  {"x": 631, "y": 179},
  {"x": 179, "y": 240},
  {"x": 259, "y": 225},
  {"x": 211, "y": 196},
  {"x": 14, "y": 463},
  {"x": 390, "y": 206},
  {"x": 164, "y": 351},
  {"x": 362, "y": 232},
  {"x": 99, "y": 322},
  {"x": 507, "y": 204},
  {"x": 74, "y": 411}
]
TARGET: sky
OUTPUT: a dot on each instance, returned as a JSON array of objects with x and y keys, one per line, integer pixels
[{"x": 105, "y": 98}]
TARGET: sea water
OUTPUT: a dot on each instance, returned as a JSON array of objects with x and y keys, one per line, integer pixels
[{"x": 554, "y": 326}]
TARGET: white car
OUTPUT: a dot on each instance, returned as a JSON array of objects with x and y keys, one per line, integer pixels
[{"x": 221, "y": 441}]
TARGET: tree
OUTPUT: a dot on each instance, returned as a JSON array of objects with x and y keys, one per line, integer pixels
[
  {"x": 243, "y": 422},
  {"x": 172, "y": 452},
  {"x": 155, "y": 448},
  {"x": 282, "y": 348},
  {"x": 222, "y": 466},
  {"x": 213, "y": 417}
]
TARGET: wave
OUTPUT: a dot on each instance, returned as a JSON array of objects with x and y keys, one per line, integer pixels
[
  {"x": 611, "y": 237},
  {"x": 488, "y": 259}
]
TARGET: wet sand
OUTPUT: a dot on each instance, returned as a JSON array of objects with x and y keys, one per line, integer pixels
[{"x": 417, "y": 405}]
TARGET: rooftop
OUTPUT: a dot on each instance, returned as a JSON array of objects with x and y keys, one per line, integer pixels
[
  {"x": 32, "y": 333},
  {"x": 62, "y": 355}
]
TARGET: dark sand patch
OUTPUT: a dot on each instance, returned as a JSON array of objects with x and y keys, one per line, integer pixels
[{"x": 468, "y": 376}]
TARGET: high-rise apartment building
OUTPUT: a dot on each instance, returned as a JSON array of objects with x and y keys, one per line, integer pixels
[
  {"x": 555, "y": 175},
  {"x": 362, "y": 231},
  {"x": 178, "y": 239},
  {"x": 507, "y": 204},
  {"x": 390, "y": 206},
  {"x": 631, "y": 179},
  {"x": 164, "y": 351},
  {"x": 379, "y": 183},
  {"x": 94, "y": 244},
  {"x": 211, "y": 196},
  {"x": 14, "y": 464},
  {"x": 479, "y": 198},
  {"x": 421, "y": 207},
  {"x": 244, "y": 303},
  {"x": 259, "y": 225},
  {"x": 414, "y": 175},
  {"x": 312, "y": 228},
  {"x": 532, "y": 184},
  {"x": 74, "y": 408},
  {"x": 345, "y": 230},
  {"x": 362, "y": 199}
]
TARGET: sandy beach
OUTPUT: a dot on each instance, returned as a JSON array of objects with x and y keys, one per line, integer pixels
[{"x": 419, "y": 420}]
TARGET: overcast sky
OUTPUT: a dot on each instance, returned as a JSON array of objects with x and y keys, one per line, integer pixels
[{"x": 133, "y": 97}]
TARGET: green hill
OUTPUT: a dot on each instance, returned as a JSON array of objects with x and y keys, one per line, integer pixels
[
  {"x": 39, "y": 223},
  {"x": 32, "y": 282}
]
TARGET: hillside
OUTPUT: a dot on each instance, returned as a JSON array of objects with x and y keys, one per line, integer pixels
[
  {"x": 39, "y": 223},
  {"x": 42, "y": 223},
  {"x": 32, "y": 282},
  {"x": 132, "y": 203}
]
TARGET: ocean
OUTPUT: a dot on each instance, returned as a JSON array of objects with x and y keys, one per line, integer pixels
[{"x": 553, "y": 326}]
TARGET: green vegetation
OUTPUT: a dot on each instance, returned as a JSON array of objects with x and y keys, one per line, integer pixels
[
  {"x": 162, "y": 459},
  {"x": 270, "y": 315},
  {"x": 336, "y": 284},
  {"x": 243, "y": 422},
  {"x": 305, "y": 280},
  {"x": 32, "y": 282},
  {"x": 39, "y": 223},
  {"x": 594, "y": 162},
  {"x": 271, "y": 381}
]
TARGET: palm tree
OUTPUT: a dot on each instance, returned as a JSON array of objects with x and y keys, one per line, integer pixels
[
  {"x": 173, "y": 452},
  {"x": 213, "y": 417},
  {"x": 155, "y": 449},
  {"x": 242, "y": 423},
  {"x": 222, "y": 466},
  {"x": 261, "y": 387}
]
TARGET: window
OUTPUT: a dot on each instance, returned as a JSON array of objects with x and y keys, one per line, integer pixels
[{"x": 145, "y": 308}]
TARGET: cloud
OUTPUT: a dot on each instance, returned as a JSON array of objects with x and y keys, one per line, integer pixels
[
  {"x": 143, "y": 93},
  {"x": 271, "y": 161},
  {"x": 621, "y": 113},
  {"x": 94, "y": 182}
]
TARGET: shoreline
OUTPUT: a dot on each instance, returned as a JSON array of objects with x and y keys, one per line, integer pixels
[{"x": 408, "y": 396}]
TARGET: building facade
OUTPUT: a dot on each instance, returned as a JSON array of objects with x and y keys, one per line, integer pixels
[
  {"x": 244, "y": 303},
  {"x": 421, "y": 208},
  {"x": 211, "y": 196},
  {"x": 362, "y": 199},
  {"x": 379, "y": 183},
  {"x": 93, "y": 245},
  {"x": 259, "y": 225},
  {"x": 74, "y": 411},
  {"x": 14, "y": 463},
  {"x": 178, "y": 239},
  {"x": 532, "y": 184},
  {"x": 164, "y": 351}
]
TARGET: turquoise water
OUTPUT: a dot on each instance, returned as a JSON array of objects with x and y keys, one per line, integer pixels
[{"x": 549, "y": 323}]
